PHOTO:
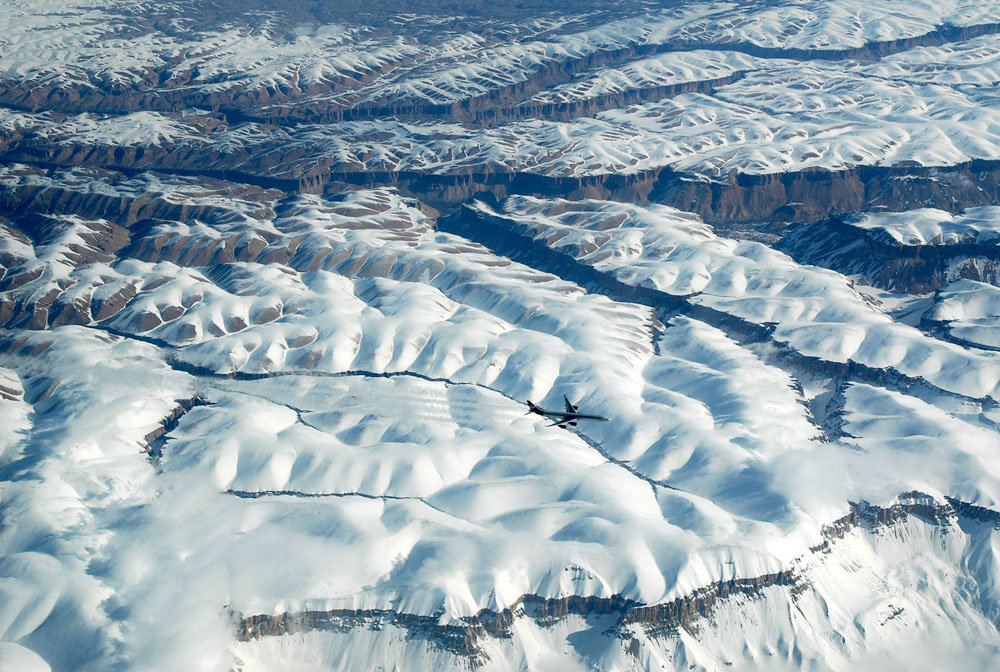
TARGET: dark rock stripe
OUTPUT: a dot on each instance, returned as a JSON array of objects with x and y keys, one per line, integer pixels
[{"x": 659, "y": 619}]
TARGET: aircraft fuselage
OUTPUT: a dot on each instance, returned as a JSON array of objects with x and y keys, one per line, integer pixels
[{"x": 567, "y": 418}]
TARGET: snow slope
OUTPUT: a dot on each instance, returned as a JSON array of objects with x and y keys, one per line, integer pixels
[
  {"x": 935, "y": 227},
  {"x": 783, "y": 115},
  {"x": 968, "y": 311},
  {"x": 814, "y": 312},
  {"x": 388, "y": 465},
  {"x": 276, "y": 281}
]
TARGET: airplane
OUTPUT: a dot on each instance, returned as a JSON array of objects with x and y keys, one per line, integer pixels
[{"x": 565, "y": 418}]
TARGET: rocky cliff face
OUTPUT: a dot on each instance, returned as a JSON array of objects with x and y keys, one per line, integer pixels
[
  {"x": 510, "y": 237},
  {"x": 809, "y": 196},
  {"x": 174, "y": 86},
  {"x": 661, "y": 620},
  {"x": 888, "y": 263},
  {"x": 466, "y": 640}
]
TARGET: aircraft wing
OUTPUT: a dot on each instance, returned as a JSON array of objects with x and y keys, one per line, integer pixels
[
  {"x": 570, "y": 408},
  {"x": 558, "y": 422}
]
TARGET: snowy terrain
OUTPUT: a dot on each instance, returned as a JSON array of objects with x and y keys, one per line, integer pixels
[
  {"x": 776, "y": 119},
  {"x": 814, "y": 312},
  {"x": 277, "y": 280},
  {"x": 969, "y": 311},
  {"x": 936, "y": 227},
  {"x": 779, "y": 115}
]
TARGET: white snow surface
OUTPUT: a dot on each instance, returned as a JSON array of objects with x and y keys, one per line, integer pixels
[
  {"x": 661, "y": 70},
  {"x": 81, "y": 41},
  {"x": 929, "y": 226},
  {"x": 384, "y": 460},
  {"x": 864, "y": 592},
  {"x": 925, "y": 105},
  {"x": 966, "y": 63},
  {"x": 970, "y": 312},
  {"x": 299, "y": 403},
  {"x": 814, "y": 116},
  {"x": 815, "y": 312}
]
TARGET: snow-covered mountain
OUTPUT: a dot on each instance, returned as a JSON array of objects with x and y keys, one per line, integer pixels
[{"x": 277, "y": 279}]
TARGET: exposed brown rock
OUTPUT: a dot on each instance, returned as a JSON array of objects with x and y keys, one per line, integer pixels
[
  {"x": 104, "y": 308},
  {"x": 235, "y": 323},
  {"x": 837, "y": 244},
  {"x": 174, "y": 91},
  {"x": 145, "y": 321},
  {"x": 170, "y": 422},
  {"x": 69, "y": 312}
]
